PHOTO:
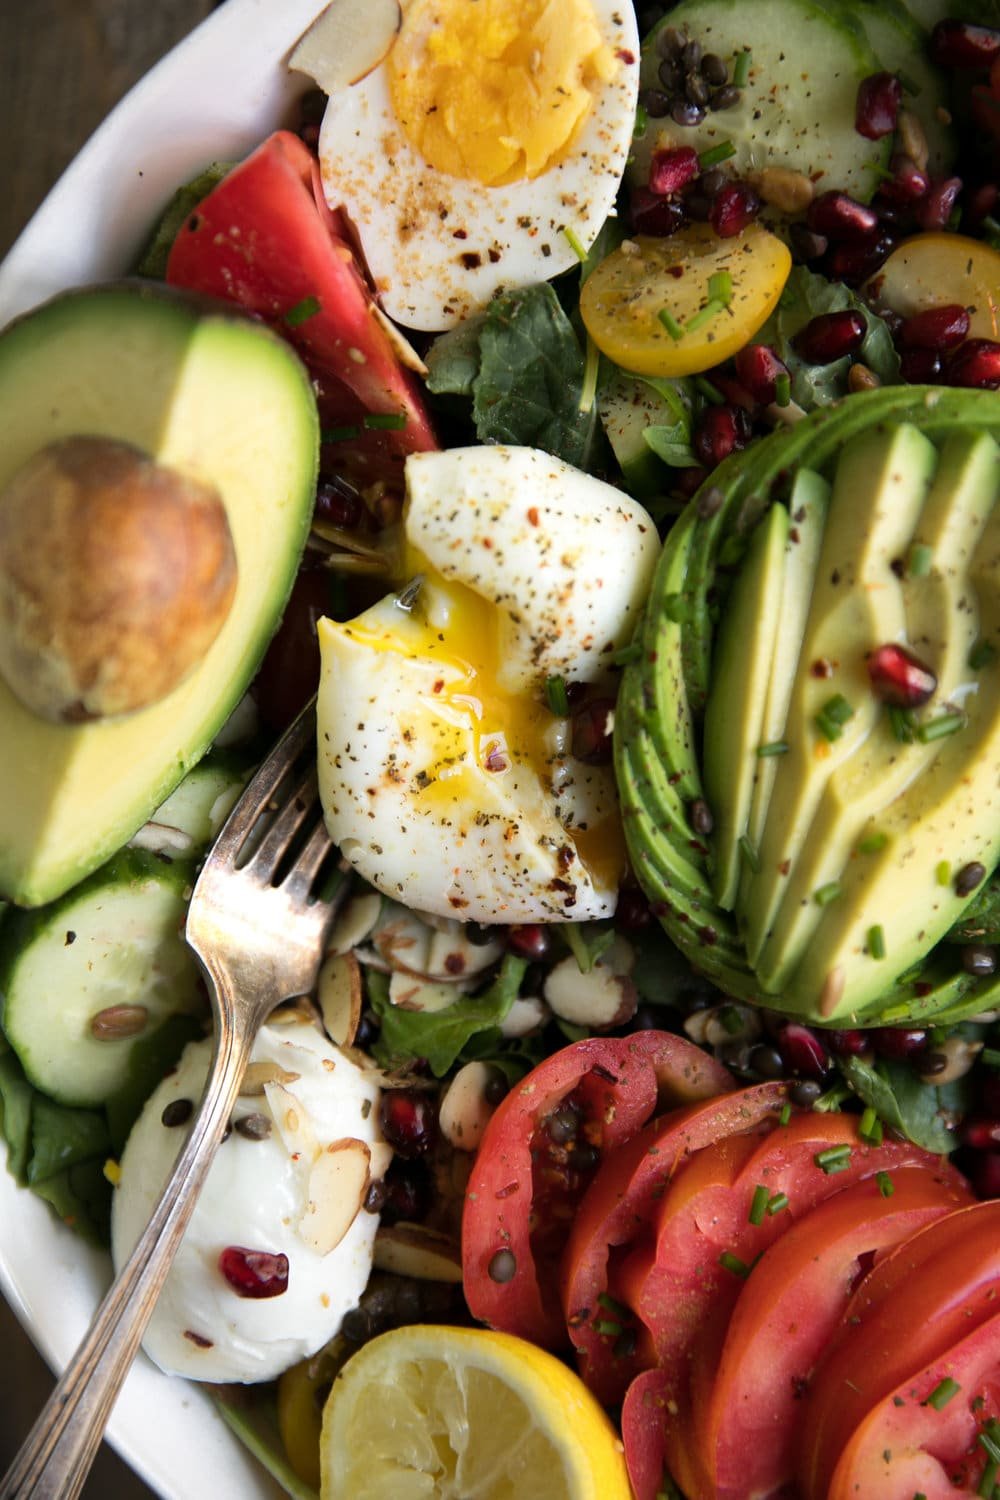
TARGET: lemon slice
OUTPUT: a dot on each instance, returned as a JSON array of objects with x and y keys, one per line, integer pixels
[{"x": 427, "y": 1413}]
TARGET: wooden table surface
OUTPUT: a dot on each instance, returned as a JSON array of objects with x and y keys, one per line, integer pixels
[{"x": 63, "y": 64}]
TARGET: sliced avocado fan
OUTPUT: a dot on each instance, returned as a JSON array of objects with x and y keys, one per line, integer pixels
[{"x": 850, "y": 834}]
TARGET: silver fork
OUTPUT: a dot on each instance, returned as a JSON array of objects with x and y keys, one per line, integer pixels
[{"x": 257, "y": 926}]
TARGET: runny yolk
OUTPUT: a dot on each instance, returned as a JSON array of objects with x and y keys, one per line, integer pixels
[{"x": 496, "y": 91}]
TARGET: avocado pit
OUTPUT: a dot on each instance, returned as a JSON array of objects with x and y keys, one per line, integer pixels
[{"x": 116, "y": 575}]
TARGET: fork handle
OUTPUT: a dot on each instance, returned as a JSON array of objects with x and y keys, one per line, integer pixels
[{"x": 56, "y": 1456}]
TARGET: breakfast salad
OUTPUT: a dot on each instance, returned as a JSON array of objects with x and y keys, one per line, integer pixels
[{"x": 596, "y": 408}]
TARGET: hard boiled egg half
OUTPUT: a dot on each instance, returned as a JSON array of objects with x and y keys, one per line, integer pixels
[
  {"x": 446, "y": 779},
  {"x": 485, "y": 130}
]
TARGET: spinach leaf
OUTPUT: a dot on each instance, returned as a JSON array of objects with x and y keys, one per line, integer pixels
[
  {"x": 522, "y": 364},
  {"x": 806, "y": 296},
  {"x": 587, "y": 941},
  {"x": 81, "y": 1196},
  {"x": 152, "y": 263},
  {"x": 439, "y": 1036},
  {"x": 16, "y": 1101},
  {"x": 62, "y": 1137},
  {"x": 898, "y": 1097}
]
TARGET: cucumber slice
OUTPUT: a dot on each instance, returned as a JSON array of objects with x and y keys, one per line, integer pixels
[
  {"x": 797, "y": 108},
  {"x": 116, "y": 940},
  {"x": 900, "y": 44},
  {"x": 630, "y": 408},
  {"x": 192, "y": 815}
]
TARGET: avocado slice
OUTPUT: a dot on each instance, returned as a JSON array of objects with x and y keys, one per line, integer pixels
[
  {"x": 879, "y": 490},
  {"x": 734, "y": 717},
  {"x": 211, "y": 394},
  {"x": 942, "y": 631}
]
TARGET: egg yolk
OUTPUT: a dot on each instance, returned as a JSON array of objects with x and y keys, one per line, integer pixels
[{"x": 496, "y": 91}]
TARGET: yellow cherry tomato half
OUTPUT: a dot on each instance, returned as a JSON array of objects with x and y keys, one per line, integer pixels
[
  {"x": 935, "y": 270},
  {"x": 683, "y": 304}
]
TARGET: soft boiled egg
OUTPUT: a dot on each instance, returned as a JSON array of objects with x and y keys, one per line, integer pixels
[
  {"x": 484, "y": 134},
  {"x": 446, "y": 779}
]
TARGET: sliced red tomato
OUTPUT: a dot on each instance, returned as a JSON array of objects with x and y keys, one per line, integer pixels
[
  {"x": 617, "y": 1211},
  {"x": 910, "y": 1309},
  {"x": 747, "y": 1385},
  {"x": 923, "y": 1436},
  {"x": 532, "y": 1168},
  {"x": 645, "y": 1418},
  {"x": 265, "y": 239}
]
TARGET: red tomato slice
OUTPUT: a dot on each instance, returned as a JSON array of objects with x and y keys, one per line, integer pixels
[
  {"x": 922, "y": 1438},
  {"x": 525, "y": 1184},
  {"x": 650, "y": 1418},
  {"x": 264, "y": 239},
  {"x": 936, "y": 1287},
  {"x": 747, "y": 1386},
  {"x": 617, "y": 1211}
]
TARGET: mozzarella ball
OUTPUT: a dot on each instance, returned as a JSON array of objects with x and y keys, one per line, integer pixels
[{"x": 260, "y": 1196}]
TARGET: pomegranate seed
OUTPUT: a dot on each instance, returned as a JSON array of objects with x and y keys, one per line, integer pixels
[
  {"x": 981, "y": 203},
  {"x": 898, "y": 678},
  {"x": 758, "y": 367},
  {"x": 407, "y": 1192},
  {"x": 853, "y": 263},
  {"x": 849, "y": 1043},
  {"x": 935, "y": 209},
  {"x": 339, "y": 503},
  {"x": 673, "y": 169},
  {"x": 937, "y": 328},
  {"x": 735, "y": 393},
  {"x": 985, "y": 1174},
  {"x": 840, "y": 217},
  {"x": 654, "y": 215},
  {"x": 920, "y": 366},
  {"x": 720, "y": 430},
  {"x": 408, "y": 1121},
  {"x": 908, "y": 182},
  {"x": 958, "y": 44},
  {"x": 803, "y": 1053},
  {"x": 899, "y": 1041},
  {"x": 830, "y": 336},
  {"x": 733, "y": 208},
  {"x": 254, "y": 1273},
  {"x": 592, "y": 730},
  {"x": 981, "y": 1132},
  {"x": 878, "y": 102},
  {"x": 530, "y": 941},
  {"x": 632, "y": 913},
  {"x": 976, "y": 364}
]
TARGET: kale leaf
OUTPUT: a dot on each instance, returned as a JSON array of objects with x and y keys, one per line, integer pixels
[{"x": 439, "y": 1036}]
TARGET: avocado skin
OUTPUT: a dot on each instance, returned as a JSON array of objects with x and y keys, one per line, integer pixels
[{"x": 675, "y": 663}]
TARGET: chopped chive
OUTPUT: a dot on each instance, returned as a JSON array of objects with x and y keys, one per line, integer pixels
[
  {"x": 712, "y": 157},
  {"x": 574, "y": 243},
  {"x": 720, "y": 287},
  {"x": 778, "y": 1202},
  {"x": 730, "y": 1262},
  {"x": 730, "y": 1019},
  {"x": 940, "y": 728},
  {"x": 919, "y": 1494},
  {"x": 873, "y": 842},
  {"x": 987, "y": 1440},
  {"x": 741, "y": 68},
  {"x": 982, "y": 654},
  {"x": 385, "y": 421},
  {"x": 833, "y": 716},
  {"x": 641, "y": 123},
  {"x": 610, "y": 1305},
  {"x": 991, "y": 1056},
  {"x": 987, "y": 1484},
  {"x": 750, "y": 854},
  {"x": 786, "y": 1114},
  {"x": 709, "y": 391},
  {"x": 943, "y": 873},
  {"x": 828, "y": 893},
  {"x": 556, "y": 696},
  {"x": 711, "y": 310},
  {"x": 833, "y": 1159},
  {"x": 608, "y": 1327},
  {"x": 991, "y": 224},
  {"x": 901, "y": 720},
  {"x": 670, "y": 323},
  {"x": 942, "y": 1393},
  {"x": 876, "y": 942},
  {"x": 626, "y": 654},
  {"x": 870, "y": 1127},
  {"x": 782, "y": 389},
  {"x": 591, "y": 371},
  {"x": 339, "y": 434},
  {"x": 758, "y": 1204},
  {"x": 302, "y": 311},
  {"x": 886, "y": 1185},
  {"x": 773, "y": 747},
  {"x": 829, "y": 1103},
  {"x": 918, "y": 564}
]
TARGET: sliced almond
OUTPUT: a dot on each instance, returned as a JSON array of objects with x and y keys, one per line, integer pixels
[
  {"x": 526, "y": 1015},
  {"x": 465, "y": 1110},
  {"x": 355, "y": 923},
  {"x": 292, "y": 1123},
  {"x": 451, "y": 957},
  {"x": 339, "y": 994},
  {"x": 402, "y": 940},
  {"x": 413, "y": 1250},
  {"x": 600, "y": 1000},
  {"x": 161, "y": 838},
  {"x": 295, "y": 1013},
  {"x": 338, "y": 1186},
  {"x": 259, "y": 1074},
  {"x": 346, "y": 42},
  {"x": 402, "y": 348},
  {"x": 410, "y": 993}
]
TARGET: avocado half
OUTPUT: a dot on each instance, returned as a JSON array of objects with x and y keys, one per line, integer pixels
[
  {"x": 220, "y": 398},
  {"x": 884, "y": 858}
]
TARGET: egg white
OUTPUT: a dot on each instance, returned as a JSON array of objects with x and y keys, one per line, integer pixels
[
  {"x": 439, "y": 246},
  {"x": 564, "y": 563}
]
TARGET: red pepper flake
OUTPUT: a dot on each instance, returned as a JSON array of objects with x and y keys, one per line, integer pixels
[
  {"x": 505, "y": 1192},
  {"x": 624, "y": 55},
  {"x": 198, "y": 1339},
  {"x": 822, "y": 668},
  {"x": 439, "y": 685},
  {"x": 533, "y": 519}
]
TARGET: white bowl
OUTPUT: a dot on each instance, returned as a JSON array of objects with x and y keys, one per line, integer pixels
[{"x": 212, "y": 99}]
